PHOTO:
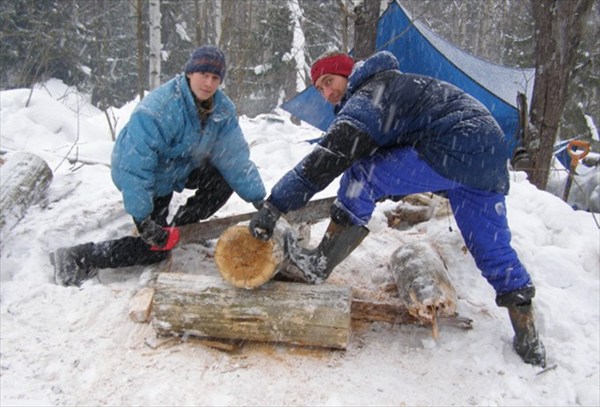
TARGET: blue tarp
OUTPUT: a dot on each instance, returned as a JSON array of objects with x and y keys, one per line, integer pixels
[{"x": 421, "y": 51}]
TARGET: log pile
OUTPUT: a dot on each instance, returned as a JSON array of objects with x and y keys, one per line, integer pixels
[{"x": 245, "y": 303}]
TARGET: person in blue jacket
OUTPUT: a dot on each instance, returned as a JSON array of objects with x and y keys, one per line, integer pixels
[
  {"x": 397, "y": 134},
  {"x": 183, "y": 134}
]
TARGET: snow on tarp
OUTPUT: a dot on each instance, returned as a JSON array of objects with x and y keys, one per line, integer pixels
[{"x": 421, "y": 51}]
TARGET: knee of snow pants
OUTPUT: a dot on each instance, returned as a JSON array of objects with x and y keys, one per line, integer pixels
[
  {"x": 212, "y": 192},
  {"x": 481, "y": 218}
]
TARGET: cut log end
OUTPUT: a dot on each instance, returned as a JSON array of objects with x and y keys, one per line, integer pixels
[{"x": 244, "y": 261}]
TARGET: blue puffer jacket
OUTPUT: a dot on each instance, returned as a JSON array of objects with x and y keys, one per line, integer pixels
[
  {"x": 164, "y": 141},
  {"x": 384, "y": 108}
]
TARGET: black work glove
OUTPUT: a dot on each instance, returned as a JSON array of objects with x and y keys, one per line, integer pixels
[
  {"x": 263, "y": 222},
  {"x": 152, "y": 233}
]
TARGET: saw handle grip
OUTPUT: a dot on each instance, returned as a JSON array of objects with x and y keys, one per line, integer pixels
[{"x": 172, "y": 239}]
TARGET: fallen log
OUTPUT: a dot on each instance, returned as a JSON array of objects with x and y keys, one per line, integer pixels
[
  {"x": 423, "y": 284},
  {"x": 25, "y": 178},
  {"x": 206, "y": 306}
]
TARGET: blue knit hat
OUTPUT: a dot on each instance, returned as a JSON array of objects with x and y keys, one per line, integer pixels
[{"x": 207, "y": 58}]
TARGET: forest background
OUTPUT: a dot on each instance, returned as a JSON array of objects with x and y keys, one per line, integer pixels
[{"x": 103, "y": 47}]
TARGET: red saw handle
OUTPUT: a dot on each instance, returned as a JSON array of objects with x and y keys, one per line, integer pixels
[{"x": 172, "y": 240}]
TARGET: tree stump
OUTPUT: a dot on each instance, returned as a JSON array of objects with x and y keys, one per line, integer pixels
[
  {"x": 25, "y": 178},
  {"x": 423, "y": 283},
  {"x": 206, "y": 306}
]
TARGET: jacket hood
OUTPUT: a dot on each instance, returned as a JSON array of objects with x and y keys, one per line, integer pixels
[{"x": 363, "y": 70}]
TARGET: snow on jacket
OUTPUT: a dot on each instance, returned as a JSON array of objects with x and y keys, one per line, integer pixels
[
  {"x": 164, "y": 141},
  {"x": 384, "y": 108}
]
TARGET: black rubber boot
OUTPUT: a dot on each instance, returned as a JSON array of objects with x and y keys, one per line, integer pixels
[
  {"x": 314, "y": 266},
  {"x": 526, "y": 342},
  {"x": 73, "y": 265}
]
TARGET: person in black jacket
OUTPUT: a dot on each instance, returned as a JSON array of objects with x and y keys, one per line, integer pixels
[{"x": 397, "y": 134}]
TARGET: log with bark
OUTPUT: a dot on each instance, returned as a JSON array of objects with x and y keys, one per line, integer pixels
[
  {"x": 25, "y": 178},
  {"x": 207, "y": 306},
  {"x": 423, "y": 283}
]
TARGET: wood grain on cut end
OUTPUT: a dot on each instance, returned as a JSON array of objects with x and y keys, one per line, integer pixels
[{"x": 244, "y": 261}]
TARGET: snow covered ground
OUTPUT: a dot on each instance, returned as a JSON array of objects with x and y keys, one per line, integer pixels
[{"x": 77, "y": 346}]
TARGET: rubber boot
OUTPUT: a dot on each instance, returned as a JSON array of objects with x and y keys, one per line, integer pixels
[
  {"x": 313, "y": 266},
  {"x": 73, "y": 265},
  {"x": 526, "y": 342}
]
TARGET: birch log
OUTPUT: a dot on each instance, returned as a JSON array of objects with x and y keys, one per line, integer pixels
[
  {"x": 25, "y": 178},
  {"x": 423, "y": 283},
  {"x": 207, "y": 306}
]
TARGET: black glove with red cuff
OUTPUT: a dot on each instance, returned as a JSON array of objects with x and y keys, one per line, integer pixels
[{"x": 160, "y": 238}]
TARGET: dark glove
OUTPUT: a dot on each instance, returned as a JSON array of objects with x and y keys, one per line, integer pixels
[
  {"x": 151, "y": 232},
  {"x": 263, "y": 222}
]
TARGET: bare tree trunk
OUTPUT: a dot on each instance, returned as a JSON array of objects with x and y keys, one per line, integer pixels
[
  {"x": 140, "y": 46},
  {"x": 155, "y": 45},
  {"x": 365, "y": 28},
  {"x": 347, "y": 15},
  {"x": 559, "y": 26},
  {"x": 218, "y": 18},
  {"x": 198, "y": 20},
  {"x": 297, "y": 49}
]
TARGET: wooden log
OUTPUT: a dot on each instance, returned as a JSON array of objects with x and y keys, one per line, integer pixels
[
  {"x": 382, "y": 311},
  {"x": 247, "y": 262},
  {"x": 413, "y": 209},
  {"x": 394, "y": 312},
  {"x": 25, "y": 178},
  {"x": 207, "y": 306},
  {"x": 423, "y": 283}
]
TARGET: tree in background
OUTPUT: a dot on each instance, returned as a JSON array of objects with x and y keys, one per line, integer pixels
[
  {"x": 504, "y": 32},
  {"x": 155, "y": 45},
  {"x": 366, "y": 16},
  {"x": 559, "y": 26},
  {"x": 40, "y": 40},
  {"x": 102, "y": 46}
]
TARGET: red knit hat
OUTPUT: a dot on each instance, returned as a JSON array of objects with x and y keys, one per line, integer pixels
[{"x": 338, "y": 64}]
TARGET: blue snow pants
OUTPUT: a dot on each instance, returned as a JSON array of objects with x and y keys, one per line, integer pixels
[{"x": 480, "y": 215}]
